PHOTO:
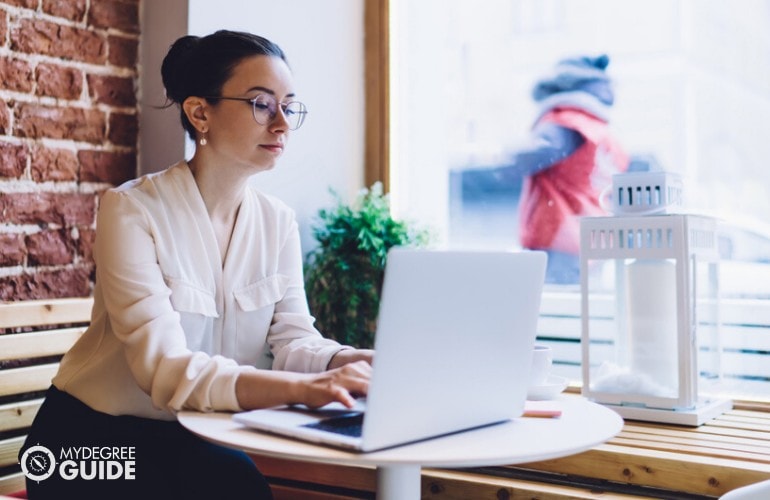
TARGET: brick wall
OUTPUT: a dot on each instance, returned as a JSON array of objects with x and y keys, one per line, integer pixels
[{"x": 68, "y": 131}]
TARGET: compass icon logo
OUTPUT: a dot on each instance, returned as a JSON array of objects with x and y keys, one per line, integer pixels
[{"x": 38, "y": 463}]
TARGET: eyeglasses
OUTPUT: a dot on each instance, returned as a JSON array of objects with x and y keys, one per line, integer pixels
[{"x": 264, "y": 107}]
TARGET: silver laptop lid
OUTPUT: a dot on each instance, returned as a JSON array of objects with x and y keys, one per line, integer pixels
[{"x": 454, "y": 342}]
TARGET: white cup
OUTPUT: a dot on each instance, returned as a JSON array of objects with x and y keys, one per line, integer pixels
[{"x": 542, "y": 360}]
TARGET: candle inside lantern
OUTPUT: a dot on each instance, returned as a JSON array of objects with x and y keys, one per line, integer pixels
[{"x": 652, "y": 324}]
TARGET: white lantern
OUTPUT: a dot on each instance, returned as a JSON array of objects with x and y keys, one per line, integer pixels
[{"x": 650, "y": 304}]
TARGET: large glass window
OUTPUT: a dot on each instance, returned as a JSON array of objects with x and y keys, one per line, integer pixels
[{"x": 691, "y": 83}]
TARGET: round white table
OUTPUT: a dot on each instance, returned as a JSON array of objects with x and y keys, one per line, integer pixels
[{"x": 582, "y": 425}]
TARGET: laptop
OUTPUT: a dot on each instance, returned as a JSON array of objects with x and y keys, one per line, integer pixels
[{"x": 453, "y": 348}]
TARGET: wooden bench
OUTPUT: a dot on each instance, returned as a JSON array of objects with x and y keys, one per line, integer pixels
[{"x": 33, "y": 337}]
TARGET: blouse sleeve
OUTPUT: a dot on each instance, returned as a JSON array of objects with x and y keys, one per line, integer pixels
[
  {"x": 137, "y": 301},
  {"x": 294, "y": 341}
]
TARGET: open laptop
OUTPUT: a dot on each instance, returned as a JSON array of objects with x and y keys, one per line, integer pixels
[{"x": 453, "y": 346}]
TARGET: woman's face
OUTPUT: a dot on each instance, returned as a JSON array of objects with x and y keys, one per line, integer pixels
[{"x": 234, "y": 136}]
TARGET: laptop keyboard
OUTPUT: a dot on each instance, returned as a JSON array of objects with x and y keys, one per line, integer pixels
[{"x": 349, "y": 425}]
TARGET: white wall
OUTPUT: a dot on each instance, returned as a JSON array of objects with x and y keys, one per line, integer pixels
[
  {"x": 323, "y": 42},
  {"x": 161, "y": 141}
]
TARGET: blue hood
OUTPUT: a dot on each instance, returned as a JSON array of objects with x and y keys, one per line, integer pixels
[{"x": 577, "y": 74}]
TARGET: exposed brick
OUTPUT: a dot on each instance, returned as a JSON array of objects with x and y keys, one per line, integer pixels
[
  {"x": 106, "y": 166},
  {"x": 86, "y": 240},
  {"x": 3, "y": 27},
  {"x": 74, "y": 10},
  {"x": 36, "y": 36},
  {"x": 5, "y": 119},
  {"x": 13, "y": 160},
  {"x": 123, "y": 129},
  {"x": 27, "y": 4},
  {"x": 112, "y": 90},
  {"x": 54, "y": 165},
  {"x": 59, "y": 81},
  {"x": 122, "y": 51},
  {"x": 118, "y": 14},
  {"x": 50, "y": 248},
  {"x": 39, "y": 56},
  {"x": 15, "y": 74},
  {"x": 69, "y": 209},
  {"x": 71, "y": 282},
  {"x": 12, "y": 249},
  {"x": 36, "y": 121}
]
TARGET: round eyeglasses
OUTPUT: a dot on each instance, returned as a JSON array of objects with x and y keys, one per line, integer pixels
[{"x": 264, "y": 107}]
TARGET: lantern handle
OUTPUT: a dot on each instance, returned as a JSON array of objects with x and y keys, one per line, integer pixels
[{"x": 607, "y": 204}]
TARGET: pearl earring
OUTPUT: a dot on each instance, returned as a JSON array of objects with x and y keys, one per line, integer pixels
[{"x": 203, "y": 141}]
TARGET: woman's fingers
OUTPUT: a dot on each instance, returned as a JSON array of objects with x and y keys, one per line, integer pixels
[
  {"x": 340, "y": 384},
  {"x": 359, "y": 374}
]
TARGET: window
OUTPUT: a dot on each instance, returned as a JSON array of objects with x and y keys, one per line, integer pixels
[{"x": 692, "y": 90}]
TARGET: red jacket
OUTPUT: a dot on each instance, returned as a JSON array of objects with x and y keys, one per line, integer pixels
[{"x": 553, "y": 199}]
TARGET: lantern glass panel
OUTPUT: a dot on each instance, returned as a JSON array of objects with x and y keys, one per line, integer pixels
[
  {"x": 633, "y": 344},
  {"x": 707, "y": 320}
]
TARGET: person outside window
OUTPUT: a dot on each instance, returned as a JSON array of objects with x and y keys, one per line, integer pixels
[{"x": 571, "y": 160}]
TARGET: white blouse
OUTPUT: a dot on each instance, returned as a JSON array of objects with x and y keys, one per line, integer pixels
[{"x": 172, "y": 328}]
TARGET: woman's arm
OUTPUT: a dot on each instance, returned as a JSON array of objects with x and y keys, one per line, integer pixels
[
  {"x": 293, "y": 340},
  {"x": 263, "y": 388}
]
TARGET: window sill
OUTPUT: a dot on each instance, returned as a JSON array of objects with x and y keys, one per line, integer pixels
[{"x": 730, "y": 451}]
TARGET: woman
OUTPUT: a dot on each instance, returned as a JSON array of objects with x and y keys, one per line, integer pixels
[{"x": 199, "y": 297}]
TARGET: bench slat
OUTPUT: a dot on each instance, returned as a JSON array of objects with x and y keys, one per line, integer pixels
[
  {"x": 38, "y": 344},
  {"x": 64, "y": 315},
  {"x": 715, "y": 447},
  {"x": 442, "y": 484},
  {"x": 45, "y": 312},
  {"x": 711, "y": 451},
  {"x": 12, "y": 483},
  {"x": 717, "y": 440},
  {"x": 281, "y": 491},
  {"x": 9, "y": 450},
  {"x": 659, "y": 469},
  {"x": 18, "y": 415},
  {"x": 27, "y": 379}
]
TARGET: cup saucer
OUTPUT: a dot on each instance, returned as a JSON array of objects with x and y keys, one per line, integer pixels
[{"x": 553, "y": 386}]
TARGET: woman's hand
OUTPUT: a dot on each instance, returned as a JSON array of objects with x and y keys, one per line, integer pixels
[
  {"x": 346, "y": 356},
  {"x": 339, "y": 384},
  {"x": 348, "y": 379}
]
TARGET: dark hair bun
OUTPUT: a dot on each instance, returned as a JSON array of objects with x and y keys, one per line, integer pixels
[
  {"x": 175, "y": 67},
  {"x": 200, "y": 66}
]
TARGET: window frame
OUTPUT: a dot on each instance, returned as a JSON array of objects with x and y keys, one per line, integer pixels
[{"x": 377, "y": 62}]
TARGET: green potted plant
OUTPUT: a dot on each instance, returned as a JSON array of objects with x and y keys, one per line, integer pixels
[{"x": 344, "y": 272}]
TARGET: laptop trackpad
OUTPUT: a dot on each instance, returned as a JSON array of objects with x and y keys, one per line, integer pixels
[{"x": 336, "y": 418}]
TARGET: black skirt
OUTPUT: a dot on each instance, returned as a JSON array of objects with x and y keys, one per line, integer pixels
[{"x": 73, "y": 451}]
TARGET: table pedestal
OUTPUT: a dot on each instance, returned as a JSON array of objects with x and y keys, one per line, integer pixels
[{"x": 398, "y": 482}]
